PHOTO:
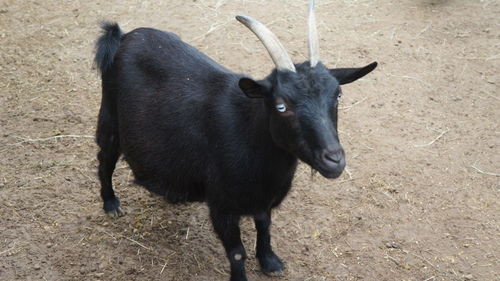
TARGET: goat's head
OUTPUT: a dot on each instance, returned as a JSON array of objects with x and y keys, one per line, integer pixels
[{"x": 303, "y": 100}]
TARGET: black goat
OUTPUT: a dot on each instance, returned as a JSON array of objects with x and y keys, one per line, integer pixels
[{"x": 192, "y": 130}]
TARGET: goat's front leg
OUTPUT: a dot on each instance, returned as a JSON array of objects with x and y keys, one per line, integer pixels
[
  {"x": 228, "y": 230},
  {"x": 269, "y": 262}
]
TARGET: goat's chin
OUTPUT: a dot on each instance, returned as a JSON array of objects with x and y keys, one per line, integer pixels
[{"x": 331, "y": 174}]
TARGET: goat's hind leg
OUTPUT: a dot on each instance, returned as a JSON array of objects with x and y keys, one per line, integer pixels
[{"x": 108, "y": 141}]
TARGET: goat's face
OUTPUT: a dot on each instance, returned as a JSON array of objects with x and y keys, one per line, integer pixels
[
  {"x": 303, "y": 99},
  {"x": 307, "y": 127},
  {"x": 303, "y": 109}
]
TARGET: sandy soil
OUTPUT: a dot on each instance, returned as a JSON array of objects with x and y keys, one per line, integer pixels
[{"x": 419, "y": 199}]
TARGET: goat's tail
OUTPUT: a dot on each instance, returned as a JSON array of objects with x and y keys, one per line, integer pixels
[{"x": 107, "y": 45}]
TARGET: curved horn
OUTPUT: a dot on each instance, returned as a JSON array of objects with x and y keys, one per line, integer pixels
[
  {"x": 277, "y": 52},
  {"x": 313, "y": 40}
]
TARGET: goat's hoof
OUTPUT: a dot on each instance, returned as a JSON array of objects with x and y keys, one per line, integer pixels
[
  {"x": 116, "y": 213},
  {"x": 271, "y": 265},
  {"x": 274, "y": 273},
  {"x": 112, "y": 207}
]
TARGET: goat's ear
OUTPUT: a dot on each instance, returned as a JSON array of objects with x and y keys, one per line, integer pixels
[
  {"x": 348, "y": 75},
  {"x": 254, "y": 89}
]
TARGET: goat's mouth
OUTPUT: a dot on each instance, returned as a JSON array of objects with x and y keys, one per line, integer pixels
[
  {"x": 329, "y": 165},
  {"x": 330, "y": 171},
  {"x": 329, "y": 162}
]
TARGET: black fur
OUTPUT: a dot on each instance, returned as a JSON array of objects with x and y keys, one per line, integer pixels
[{"x": 192, "y": 130}]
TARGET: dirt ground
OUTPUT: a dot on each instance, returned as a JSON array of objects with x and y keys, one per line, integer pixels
[{"x": 419, "y": 199}]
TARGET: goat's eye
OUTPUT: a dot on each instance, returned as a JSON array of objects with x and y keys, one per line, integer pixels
[
  {"x": 340, "y": 95},
  {"x": 281, "y": 107}
]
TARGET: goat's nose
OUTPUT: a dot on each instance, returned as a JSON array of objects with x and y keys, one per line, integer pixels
[{"x": 332, "y": 155}]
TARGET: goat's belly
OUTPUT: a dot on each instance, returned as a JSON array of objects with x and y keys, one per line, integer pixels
[
  {"x": 174, "y": 194},
  {"x": 173, "y": 186},
  {"x": 167, "y": 162}
]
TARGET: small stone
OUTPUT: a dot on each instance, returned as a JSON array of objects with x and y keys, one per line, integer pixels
[
  {"x": 237, "y": 257},
  {"x": 103, "y": 264},
  {"x": 82, "y": 270},
  {"x": 131, "y": 271},
  {"x": 392, "y": 245},
  {"x": 49, "y": 245},
  {"x": 37, "y": 266},
  {"x": 468, "y": 277}
]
